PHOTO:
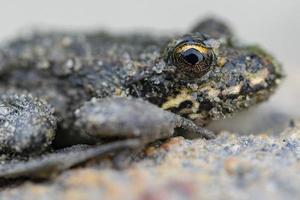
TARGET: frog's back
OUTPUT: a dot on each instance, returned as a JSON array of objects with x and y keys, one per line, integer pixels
[{"x": 98, "y": 64}]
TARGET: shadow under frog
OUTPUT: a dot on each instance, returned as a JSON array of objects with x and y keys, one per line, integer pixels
[{"x": 127, "y": 90}]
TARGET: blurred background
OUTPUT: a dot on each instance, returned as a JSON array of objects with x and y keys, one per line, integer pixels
[{"x": 274, "y": 24}]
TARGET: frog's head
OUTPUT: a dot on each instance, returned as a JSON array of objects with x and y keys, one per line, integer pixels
[{"x": 215, "y": 77}]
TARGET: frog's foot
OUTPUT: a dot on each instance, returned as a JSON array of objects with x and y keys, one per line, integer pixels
[
  {"x": 190, "y": 130},
  {"x": 132, "y": 118},
  {"x": 50, "y": 164},
  {"x": 125, "y": 157},
  {"x": 26, "y": 123}
]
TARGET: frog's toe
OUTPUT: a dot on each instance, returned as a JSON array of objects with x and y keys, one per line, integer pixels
[
  {"x": 50, "y": 164},
  {"x": 124, "y": 118},
  {"x": 26, "y": 123}
]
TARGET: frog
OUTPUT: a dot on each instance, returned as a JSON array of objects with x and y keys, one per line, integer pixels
[{"x": 68, "y": 97}]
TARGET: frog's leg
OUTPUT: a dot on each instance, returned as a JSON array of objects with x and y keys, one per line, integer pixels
[
  {"x": 27, "y": 124},
  {"x": 132, "y": 118},
  {"x": 214, "y": 28},
  {"x": 50, "y": 164}
]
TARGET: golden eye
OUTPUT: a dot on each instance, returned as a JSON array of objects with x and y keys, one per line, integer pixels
[{"x": 192, "y": 58}]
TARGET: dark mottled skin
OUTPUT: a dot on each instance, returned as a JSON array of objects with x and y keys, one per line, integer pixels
[{"x": 69, "y": 69}]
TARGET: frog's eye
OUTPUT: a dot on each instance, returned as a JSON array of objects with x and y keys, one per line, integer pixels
[{"x": 192, "y": 58}]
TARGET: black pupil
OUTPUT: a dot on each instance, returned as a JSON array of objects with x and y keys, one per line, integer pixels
[{"x": 192, "y": 56}]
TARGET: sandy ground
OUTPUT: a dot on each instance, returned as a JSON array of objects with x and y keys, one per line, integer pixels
[{"x": 228, "y": 167}]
